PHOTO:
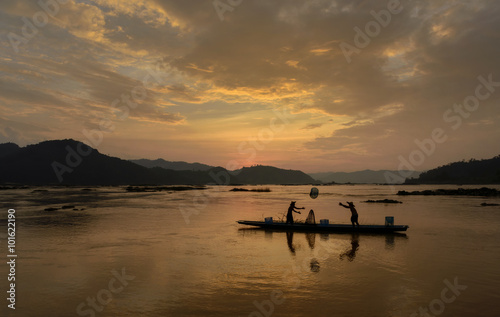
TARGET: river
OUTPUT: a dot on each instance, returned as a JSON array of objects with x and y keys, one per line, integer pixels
[{"x": 181, "y": 253}]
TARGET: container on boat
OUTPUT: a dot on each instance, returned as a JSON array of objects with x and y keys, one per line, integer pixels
[
  {"x": 268, "y": 220},
  {"x": 389, "y": 221},
  {"x": 324, "y": 222}
]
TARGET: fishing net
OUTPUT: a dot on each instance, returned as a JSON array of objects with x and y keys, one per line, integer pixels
[
  {"x": 314, "y": 193},
  {"x": 310, "y": 218}
]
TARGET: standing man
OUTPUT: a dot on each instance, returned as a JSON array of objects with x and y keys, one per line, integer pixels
[
  {"x": 291, "y": 210},
  {"x": 354, "y": 213}
]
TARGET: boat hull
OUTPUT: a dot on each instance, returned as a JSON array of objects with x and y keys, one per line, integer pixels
[{"x": 334, "y": 228}]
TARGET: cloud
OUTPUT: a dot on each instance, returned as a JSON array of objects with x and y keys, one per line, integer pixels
[
  {"x": 264, "y": 55},
  {"x": 21, "y": 133},
  {"x": 312, "y": 126}
]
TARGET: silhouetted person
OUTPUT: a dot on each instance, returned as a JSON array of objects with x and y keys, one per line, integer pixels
[
  {"x": 291, "y": 210},
  {"x": 354, "y": 213}
]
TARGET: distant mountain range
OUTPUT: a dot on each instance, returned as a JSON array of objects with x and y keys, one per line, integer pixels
[
  {"x": 361, "y": 177},
  {"x": 464, "y": 172},
  {"x": 247, "y": 175},
  {"x": 173, "y": 165},
  {"x": 69, "y": 162}
]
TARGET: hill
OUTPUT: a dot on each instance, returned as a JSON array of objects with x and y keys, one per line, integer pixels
[
  {"x": 360, "y": 177},
  {"x": 464, "y": 172},
  {"x": 8, "y": 148},
  {"x": 69, "y": 162},
  {"x": 173, "y": 165},
  {"x": 272, "y": 175}
]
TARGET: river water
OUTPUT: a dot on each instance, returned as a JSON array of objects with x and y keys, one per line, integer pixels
[{"x": 181, "y": 253}]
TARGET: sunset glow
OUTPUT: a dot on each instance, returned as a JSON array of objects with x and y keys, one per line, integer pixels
[{"x": 268, "y": 82}]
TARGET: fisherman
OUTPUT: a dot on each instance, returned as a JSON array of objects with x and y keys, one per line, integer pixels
[
  {"x": 291, "y": 210},
  {"x": 354, "y": 213}
]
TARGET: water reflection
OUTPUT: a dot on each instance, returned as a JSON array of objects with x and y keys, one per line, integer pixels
[
  {"x": 314, "y": 265},
  {"x": 331, "y": 239},
  {"x": 351, "y": 252},
  {"x": 289, "y": 241},
  {"x": 389, "y": 242},
  {"x": 311, "y": 239}
]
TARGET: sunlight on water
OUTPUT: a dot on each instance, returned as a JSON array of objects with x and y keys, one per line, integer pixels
[{"x": 183, "y": 254}]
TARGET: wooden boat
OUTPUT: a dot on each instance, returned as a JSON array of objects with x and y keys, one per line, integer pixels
[{"x": 333, "y": 228}]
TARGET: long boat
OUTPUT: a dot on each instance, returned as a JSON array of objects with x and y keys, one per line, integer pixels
[{"x": 333, "y": 228}]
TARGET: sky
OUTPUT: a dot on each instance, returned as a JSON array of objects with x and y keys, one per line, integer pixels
[{"x": 320, "y": 85}]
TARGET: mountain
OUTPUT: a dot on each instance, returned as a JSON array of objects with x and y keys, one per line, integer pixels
[
  {"x": 8, "y": 148},
  {"x": 271, "y": 175},
  {"x": 464, "y": 172},
  {"x": 254, "y": 175},
  {"x": 360, "y": 177},
  {"x": 69, "y": 162},
  {"x": 72, "y": 162},
  {"x": 173, "y": 165}
]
